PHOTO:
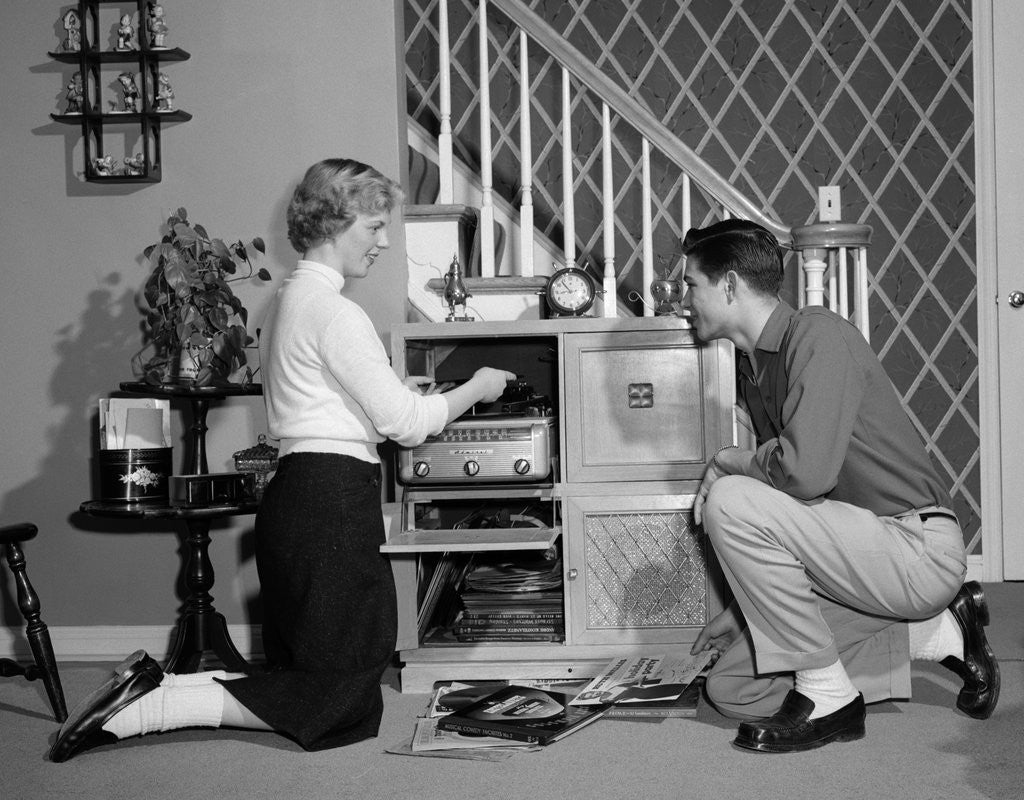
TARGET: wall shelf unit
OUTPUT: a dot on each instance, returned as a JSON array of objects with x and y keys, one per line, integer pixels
[{"x": 103, "y": 118}]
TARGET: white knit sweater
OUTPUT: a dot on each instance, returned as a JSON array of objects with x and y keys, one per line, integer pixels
[{"x": 327, "y": 382}]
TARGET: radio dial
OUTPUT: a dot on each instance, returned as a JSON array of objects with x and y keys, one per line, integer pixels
[
  {"x": 421, "y": 469},
  {"x": 471, "y": 468},
  {"x": 522, "y": 466}
]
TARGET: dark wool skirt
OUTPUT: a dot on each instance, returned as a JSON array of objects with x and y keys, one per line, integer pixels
[{"x": 328, "y": 598}]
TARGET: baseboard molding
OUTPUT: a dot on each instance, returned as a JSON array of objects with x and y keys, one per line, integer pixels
[{"x": 113, "y": 642}]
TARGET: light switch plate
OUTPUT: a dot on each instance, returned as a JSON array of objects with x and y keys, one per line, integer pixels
[{"x": 828, "y": 204}]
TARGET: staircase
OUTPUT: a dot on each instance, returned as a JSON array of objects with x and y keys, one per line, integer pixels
[
  {"x": 436, "y": 232},
  {"x": 504, "y": 255}
]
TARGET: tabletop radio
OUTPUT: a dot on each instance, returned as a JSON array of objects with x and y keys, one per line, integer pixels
[{"x": 485, "y": 448}]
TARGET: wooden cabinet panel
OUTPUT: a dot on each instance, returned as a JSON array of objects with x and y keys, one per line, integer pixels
[{"x": 637, "y": 406}]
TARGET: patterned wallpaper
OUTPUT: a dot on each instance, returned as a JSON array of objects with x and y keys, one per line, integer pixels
[{"x": 780, "y": 96}]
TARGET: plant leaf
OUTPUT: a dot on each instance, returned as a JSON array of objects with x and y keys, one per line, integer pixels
[
  {"x": 186, "y": 236},
  {"x": 177, "y": 278},
  {"x": 163, "y": 250},
  {"x": 220, "y": 249},
  {"x": 204, "y": 377},
  {"x": 218, "y": 318},
  {"x": 223, "y": 349},
  {"x": 199, "y": 341}
]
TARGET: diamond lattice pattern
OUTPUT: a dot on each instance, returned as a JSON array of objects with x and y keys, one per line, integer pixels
[
  {"x": 644, "y": 570},
  {"x": 781, "y": 96}
]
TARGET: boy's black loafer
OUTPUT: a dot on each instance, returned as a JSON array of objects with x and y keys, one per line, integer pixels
[
  {"x": 978, "y": 668},
  {"x": 790, "y": 730}
]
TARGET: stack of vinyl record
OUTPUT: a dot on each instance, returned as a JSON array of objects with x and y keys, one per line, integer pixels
[{"x": 512, "y": 601}]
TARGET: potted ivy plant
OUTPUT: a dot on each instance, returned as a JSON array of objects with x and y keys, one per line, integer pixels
[{"x": 195, "y": 325}]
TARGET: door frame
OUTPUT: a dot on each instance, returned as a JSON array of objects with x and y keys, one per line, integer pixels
[{"x": 999, "y": 116}]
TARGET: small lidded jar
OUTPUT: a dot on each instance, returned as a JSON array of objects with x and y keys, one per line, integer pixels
[{"x": 259, "y": 460}]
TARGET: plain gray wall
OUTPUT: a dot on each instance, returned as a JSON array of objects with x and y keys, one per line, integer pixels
[{"x": 272, "y": 89}]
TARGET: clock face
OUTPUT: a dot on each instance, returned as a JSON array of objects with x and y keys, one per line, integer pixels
[{"x": 570, "y": 292}]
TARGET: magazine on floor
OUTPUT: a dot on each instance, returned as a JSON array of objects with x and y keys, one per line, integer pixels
[
  {"x": 683, "y": 706},
  {"x": 428, "y": 736},
  {"x": 642, "y": 679}
]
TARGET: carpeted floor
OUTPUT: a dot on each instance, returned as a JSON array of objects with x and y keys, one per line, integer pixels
[{"x": 920, "y": 749}]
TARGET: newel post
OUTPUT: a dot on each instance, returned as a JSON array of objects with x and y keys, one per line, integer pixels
[{"x": 824, "y": 278}]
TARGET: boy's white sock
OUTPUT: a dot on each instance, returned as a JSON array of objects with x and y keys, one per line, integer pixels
[
  {"x": 934, "y": 639},
  {"x": 830, "y": 688}
]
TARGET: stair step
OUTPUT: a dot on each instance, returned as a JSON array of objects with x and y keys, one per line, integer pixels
[{"x": 512, "y": 284}]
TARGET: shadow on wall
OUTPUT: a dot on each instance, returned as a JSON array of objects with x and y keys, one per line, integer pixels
[{"x": 91, "y": 357}]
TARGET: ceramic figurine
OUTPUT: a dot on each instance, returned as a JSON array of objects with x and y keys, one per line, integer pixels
[
  {"x": 104, "y": 165},
  {"x": 164, "y": 94},
  {"x": 134, "y": 165},
  {"x": 130, "y": 92},
  {"x": 157, "y": 26},
  {"x": 73, "y": 26},
  {"x": 125, "y": 32},
  {"x": 74, "y": 95}
]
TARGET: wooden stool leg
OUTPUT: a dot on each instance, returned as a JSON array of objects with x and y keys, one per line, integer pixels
[{"x": 37, "y": 633}]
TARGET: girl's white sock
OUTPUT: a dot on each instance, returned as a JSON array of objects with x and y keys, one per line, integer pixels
[{"x": 169, "y": 707}]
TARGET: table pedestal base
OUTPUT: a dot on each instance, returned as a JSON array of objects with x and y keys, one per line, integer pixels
[
  {"x": 202, "y": 641},
  {"x": 202, "y": 631}
]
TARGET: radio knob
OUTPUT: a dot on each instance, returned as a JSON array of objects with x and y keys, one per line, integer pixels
[
  {"x": 421, "y": 469},
  {"x": 471, "y": 468},
  {"x": 522, "y": 466}
]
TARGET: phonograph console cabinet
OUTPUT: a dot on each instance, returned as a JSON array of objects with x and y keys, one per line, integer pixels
[{"x": 634, "y": 409}]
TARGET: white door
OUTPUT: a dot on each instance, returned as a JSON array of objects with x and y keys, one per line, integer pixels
[
  {"x": 1010, "y": 313},
  {"x": 999, "y": 114}
]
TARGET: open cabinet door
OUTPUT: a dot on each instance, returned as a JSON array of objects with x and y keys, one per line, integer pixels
[{"x": 405, "y": 546}]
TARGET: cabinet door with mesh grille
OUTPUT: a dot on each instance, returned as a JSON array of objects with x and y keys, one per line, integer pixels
[{"x": 637, "y": 570}]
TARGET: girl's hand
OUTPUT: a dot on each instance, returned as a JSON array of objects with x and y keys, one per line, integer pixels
[
  {"x": 491, "y": 383},
  {"x": 421, "y": 383}
]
